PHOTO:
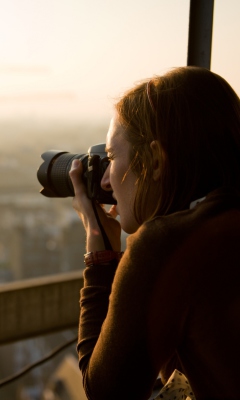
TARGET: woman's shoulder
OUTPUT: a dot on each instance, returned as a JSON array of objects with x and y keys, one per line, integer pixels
[
  {"x": 214, "y": 209},
  {"x": 159, "y": 234},
  {"x": 163, "y": 226}
]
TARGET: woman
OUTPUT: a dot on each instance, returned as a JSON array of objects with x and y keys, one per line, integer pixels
[{"x": 172, "y": 301}]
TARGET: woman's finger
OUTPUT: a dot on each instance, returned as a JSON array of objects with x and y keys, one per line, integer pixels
[
  {"x": 113, "y": 211},
  {"x": 75, "y": 175}
]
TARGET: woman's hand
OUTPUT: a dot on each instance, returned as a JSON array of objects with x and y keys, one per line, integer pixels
[{"x": 83, "y": 206}]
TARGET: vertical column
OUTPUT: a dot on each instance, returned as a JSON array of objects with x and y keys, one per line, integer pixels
[{"x": 200, "y": 33}]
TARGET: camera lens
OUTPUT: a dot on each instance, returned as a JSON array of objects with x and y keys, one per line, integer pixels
[
  {"x": 60, "y": 173},
  {"x": 53, "y": 174}
]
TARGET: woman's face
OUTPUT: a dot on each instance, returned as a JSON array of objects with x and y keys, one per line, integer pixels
[{"x": 119, "y": 177}]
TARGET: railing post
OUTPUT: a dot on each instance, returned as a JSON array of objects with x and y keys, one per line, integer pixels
[{"x": 200, "y": 33}]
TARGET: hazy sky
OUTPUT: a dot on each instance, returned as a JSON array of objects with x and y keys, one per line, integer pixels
[{"x": 71, "y": 58}]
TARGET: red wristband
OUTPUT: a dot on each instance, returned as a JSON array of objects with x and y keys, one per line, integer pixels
[{"x": 102, "y": 257}]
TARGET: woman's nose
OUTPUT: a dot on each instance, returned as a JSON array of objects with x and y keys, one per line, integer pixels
[{"x": 105, "y": 182}]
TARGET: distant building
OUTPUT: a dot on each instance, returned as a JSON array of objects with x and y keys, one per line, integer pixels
[
  {"x": 34, "y": 252},
  {"x": 73, "y": 247}
]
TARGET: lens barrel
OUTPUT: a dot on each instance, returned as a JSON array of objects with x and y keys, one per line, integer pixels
[{"x": 53, "y": 173}]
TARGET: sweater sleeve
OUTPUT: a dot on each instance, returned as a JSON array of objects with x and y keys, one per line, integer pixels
[
  {"x": 115, "y": 351},
  {"x": 94, "y": 298}
]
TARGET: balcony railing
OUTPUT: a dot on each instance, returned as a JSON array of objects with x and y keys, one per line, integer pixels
[{"x": 39, "y": 306}]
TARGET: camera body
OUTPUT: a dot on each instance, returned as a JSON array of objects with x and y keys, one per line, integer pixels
[{"x": 53, "y": 173}]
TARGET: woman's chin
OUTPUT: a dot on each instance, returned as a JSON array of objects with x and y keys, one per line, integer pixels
[{"x": 129, "y": 228}]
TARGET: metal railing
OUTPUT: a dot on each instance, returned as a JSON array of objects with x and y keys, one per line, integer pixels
[{"x": 39, "y": 306}]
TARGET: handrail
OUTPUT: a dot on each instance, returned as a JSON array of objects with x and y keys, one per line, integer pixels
[{"x": 39, "y": 306}]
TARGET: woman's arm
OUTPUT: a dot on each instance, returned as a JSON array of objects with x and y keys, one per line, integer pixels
[
  {"x": 114, "y": 332},
  {"x": 83, "y": 206},
  {"x": 117, "y": 357}
]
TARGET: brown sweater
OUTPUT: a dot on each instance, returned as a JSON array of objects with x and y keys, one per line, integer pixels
[{"x": 174, "y": 297}]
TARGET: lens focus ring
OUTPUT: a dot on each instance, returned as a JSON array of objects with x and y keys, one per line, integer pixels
[{"x": 60, "y": 174}]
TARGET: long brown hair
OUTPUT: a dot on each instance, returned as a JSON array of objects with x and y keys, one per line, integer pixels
[{"x": 195, "y": 116}]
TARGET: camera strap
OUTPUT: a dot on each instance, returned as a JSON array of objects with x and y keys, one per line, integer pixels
[{"x": 104, "y": 235}]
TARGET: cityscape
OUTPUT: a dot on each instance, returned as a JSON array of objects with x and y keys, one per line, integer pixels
[{"x": 38, "y": 236}]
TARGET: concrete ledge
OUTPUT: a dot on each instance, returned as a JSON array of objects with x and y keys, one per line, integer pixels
[{"x": 39, "y": 306}]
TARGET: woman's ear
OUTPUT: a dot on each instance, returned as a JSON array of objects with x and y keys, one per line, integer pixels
[{"x": 156, "y": 159}]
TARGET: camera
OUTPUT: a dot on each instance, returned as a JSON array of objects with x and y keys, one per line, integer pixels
[{"x": 53, "y": 173}]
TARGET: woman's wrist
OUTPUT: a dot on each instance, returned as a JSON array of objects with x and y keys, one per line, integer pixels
[
  {"x": 95, "y": 240},
  {"x": 101, "y": 257}
]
